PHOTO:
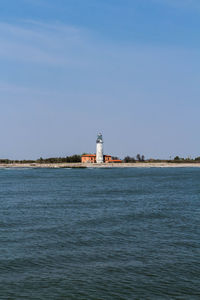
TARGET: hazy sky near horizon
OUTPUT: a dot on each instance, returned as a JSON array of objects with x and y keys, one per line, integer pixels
[{"x": 72, "y": 68}]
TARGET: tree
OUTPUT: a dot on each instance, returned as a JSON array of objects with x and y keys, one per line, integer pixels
[
  {"x": 115, "y": 157},
  {"x": 129, "y": 159},
  {"x": 177, "y": 158},
  {"x": 73, "y": 159}
]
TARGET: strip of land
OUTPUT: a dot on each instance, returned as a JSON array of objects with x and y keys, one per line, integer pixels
[{"x": 105, "y": 165}]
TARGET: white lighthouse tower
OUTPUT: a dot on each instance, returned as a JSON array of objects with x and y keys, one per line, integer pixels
[{"x": 99, "y": 149}]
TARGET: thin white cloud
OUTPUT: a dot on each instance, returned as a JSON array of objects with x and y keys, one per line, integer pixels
[
  {"x": 32, "y": 29},
  {"x": 85, "y": 62},
  {"x": 36, "y": 42}
]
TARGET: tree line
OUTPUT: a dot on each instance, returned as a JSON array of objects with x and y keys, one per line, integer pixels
[
  {"x": 76, "y": 158},
  {"x": 68, "y": 159},
  {"x": 129, "y": 159}
]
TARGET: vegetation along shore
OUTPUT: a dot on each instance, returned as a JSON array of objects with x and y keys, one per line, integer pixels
[{"x": 74, "y": 161}]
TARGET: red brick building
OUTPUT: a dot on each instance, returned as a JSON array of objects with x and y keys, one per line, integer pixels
[
  {"x": 88, "y": 158},
  {"x": 91, "y": 158}
]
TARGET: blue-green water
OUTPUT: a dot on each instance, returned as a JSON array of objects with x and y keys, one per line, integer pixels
[{"x": 100, "y": 234}]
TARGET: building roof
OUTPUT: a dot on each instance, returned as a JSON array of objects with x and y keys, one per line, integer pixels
[{"x": 115, "y": 160}]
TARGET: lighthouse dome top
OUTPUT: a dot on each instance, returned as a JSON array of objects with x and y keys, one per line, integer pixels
[{"x": 99, "y": 138}]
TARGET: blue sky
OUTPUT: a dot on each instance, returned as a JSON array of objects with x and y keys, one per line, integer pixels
[{"x": 72, "y": 68}]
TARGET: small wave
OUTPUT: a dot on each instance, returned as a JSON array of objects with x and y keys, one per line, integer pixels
[{"x": 16, "y": 169}]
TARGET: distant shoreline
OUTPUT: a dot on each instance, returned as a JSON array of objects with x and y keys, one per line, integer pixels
[{"x": 105, "y": 165}]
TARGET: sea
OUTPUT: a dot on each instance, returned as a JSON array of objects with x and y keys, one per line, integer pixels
[{"x": 100, "y": 234}]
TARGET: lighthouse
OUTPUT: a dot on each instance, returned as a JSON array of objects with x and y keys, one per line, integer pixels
[{"x": 99, "y": 149}]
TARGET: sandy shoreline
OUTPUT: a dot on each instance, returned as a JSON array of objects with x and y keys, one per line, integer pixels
[{"x": 121, "y": 165}]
